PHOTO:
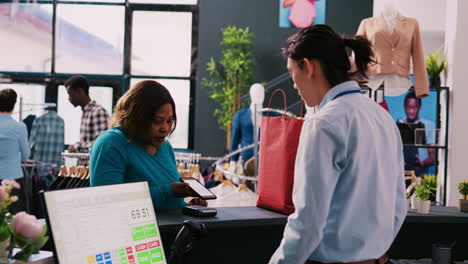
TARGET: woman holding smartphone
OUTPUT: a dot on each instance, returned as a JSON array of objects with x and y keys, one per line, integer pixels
[{"x": 136, "y": 149}]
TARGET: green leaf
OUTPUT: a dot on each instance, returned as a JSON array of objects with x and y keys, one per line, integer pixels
[
  {"x": 434, "y": 67},
  {"x": 4, "y": 232},
  {"x": 463, "y": 188},
  {"x": 233, "y": 73}
]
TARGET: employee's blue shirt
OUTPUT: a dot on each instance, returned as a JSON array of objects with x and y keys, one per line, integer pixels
[
  {"x": 13, "y": 147},
  {"x": 349, "y": 189},
  {"x": 116, "y": 160}
]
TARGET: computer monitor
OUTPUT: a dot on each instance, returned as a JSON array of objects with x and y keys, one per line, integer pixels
[{"x": 113, "y": 224}]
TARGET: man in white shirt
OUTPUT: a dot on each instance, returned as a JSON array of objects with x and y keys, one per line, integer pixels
[{"x": 349, "y": 190}]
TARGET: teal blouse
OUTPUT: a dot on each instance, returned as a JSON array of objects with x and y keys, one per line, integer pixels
[{"x": 116, "y": 160}]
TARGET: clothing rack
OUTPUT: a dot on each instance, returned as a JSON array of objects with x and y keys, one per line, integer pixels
[
  {"x": 81, "y": 159},
  {"x": 231, "y": 175},
  {"x": 39, "y": 106},
  {"x": 28, "y": 167},
  {"x": 75, "y": 155},
  {"x": 187, "y": 156}
]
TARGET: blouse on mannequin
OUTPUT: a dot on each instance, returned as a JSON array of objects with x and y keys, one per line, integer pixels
[
  {"x": 395, "y": 39},
  {"x": 398, "y": 83}
]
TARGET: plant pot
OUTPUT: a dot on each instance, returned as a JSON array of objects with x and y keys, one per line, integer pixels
[
  {"x": 4, "y": 251},
  {"x": 434, "y": 82},
  {"x": 463, "y": 205},
  {"x": 423, "y": 206},
  {"x": 18, "y": 262}
]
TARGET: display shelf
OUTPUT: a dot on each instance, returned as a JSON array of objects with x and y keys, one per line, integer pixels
[{"x": 424, "y": 146}]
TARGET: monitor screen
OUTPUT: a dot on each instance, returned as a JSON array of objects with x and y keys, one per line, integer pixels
[{"x": 114, "y": 224}]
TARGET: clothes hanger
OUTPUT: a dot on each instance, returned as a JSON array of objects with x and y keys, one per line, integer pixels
[
  {"x": 60, "y": 177},
  {"x": 227, "y": 183},
  {"x": 243, "y": 188},
  {"x": 85, "y": 179},
  {"x": 72, "y": 183},
  {"x": 218, "y": 176},
  {"x": 63, "y": 171},
  {"x": 71, "y": 172},
  {"x": 410, "y": 175}
]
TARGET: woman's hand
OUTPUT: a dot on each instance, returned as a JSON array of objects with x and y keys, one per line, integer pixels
[
  {"x": 182, "y": 189},
  {"x": 198, "y": 201}
]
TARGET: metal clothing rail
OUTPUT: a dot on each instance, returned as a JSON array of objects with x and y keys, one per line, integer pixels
[
  {"x": 209, "y": 158},
  {"x": 28, "y": 167},
  {"x": 37, "y": 164},
  {"x": 230, "y": 175},
  {"x": 75, "y": 155},
  {"x": 189, "y": 156}
]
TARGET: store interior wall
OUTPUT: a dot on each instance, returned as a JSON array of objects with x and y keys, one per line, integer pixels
[
  {"x": 261, "y": 16},
  {"x": 457, "y": 55}
]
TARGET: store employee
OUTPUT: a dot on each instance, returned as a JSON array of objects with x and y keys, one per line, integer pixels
[
  {"x": 135, "y": 148},
  {"x": 349, "y": 190}
]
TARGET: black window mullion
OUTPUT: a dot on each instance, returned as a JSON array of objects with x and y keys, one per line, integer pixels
[
  {"x": 127, "y": 47},
  {"x": 193, "y": 73},
  {"x": 54, "y": 30}
]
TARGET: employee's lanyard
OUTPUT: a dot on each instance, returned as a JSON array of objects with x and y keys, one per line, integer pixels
[{"x": 345, "y": 93}]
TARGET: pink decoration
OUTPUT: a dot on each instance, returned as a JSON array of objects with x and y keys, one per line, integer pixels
[
  {"x": 11, "y": 183},
  {"x": 2, "y": 193},
  {"x": 26, "y": 225},
  {"x": 302, "y": 13}
]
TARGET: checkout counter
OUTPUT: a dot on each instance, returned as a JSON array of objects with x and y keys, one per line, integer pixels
[{"x": 251, "y": 234}]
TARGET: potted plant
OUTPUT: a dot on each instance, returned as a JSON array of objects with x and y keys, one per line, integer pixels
[
  {"x": 463, "y": 190},
  {"x": 435, "y": 67},
  {"x": 21, "y": 230},
  {"x": 232, "y": 76},
  {"x": 423, "y": 193},
  {"x": 431, "y": 181}
]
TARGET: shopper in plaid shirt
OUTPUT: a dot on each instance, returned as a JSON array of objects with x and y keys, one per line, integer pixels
[
  {"x": 47, "y": 139},
  {"x": 95, "y": 118}
]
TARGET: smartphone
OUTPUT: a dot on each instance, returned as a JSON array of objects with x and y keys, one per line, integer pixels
[
  {"x": 198, "y": 188},
  {"x": 199, "y": 211}
]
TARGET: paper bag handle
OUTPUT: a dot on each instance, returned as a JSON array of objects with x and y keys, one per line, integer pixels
[{"x": 271, "y": 97}]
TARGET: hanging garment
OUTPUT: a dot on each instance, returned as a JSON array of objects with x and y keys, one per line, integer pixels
[
  {"x": 242, "y": 133},
  {"x": 393, "y": 50},
  {"x": 47, "y": 139},
  {"x": 221, "y": 191},
  {"x": 242, "y": 196}
]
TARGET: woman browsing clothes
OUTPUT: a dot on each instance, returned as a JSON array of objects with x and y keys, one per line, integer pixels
[{"x": 135, "y": 148}]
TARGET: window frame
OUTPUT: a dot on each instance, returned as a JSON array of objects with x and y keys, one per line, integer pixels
[{"x": 120, "y": 83}]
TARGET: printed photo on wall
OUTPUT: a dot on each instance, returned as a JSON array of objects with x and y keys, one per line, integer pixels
[
  {"x": 301, "y": 13},
  {"x": 416, "y": 119}
]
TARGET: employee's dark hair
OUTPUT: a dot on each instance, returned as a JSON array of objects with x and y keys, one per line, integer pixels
[
  {"x": 7, "y": 100},
  {"x": 323, "y": 43},
  {"x": 412, "y": 95},
  {"x": 135, "y": 110},
  {"x": 76, "y": 82}
]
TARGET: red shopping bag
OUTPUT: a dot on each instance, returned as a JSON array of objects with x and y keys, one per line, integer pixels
[{"x": 279, "y": 139}]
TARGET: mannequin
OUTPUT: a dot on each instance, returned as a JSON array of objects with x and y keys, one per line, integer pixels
[
  {"x": 243, "y": 125},
  {"x": 395, "y": 39}
]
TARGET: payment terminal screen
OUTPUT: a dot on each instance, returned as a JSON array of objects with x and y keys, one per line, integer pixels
[{"x": 113, "y": 224}]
